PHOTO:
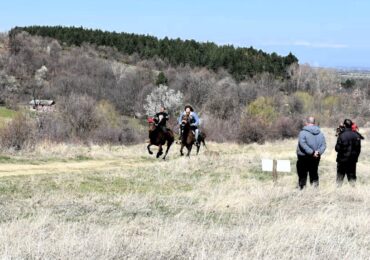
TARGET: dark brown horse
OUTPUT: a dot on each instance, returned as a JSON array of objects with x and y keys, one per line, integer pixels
[
  {"x": 159, "y": 138},
  {"x": 188, "y": 137}
]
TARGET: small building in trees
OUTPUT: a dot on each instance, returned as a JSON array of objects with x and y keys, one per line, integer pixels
[{"x": 42, "y": 105}]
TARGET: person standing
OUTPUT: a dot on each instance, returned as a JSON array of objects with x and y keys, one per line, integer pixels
[
  {"x": 348, "y": 148},
  {"x": 311, "y": 145}
]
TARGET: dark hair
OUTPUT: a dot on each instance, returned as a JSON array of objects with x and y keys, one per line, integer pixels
[
  {"x": 189, "y": 106},
  {"x": 347, "y": 123}
]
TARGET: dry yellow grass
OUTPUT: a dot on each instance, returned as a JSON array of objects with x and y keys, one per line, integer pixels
[{"x": 105, "y": 202}]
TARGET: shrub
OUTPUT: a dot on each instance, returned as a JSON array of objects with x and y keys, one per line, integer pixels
[
  {"x": 53, "y": 127},
  {"x": 224, "y": 99},
  {"x": 19, "y": 133},
  {"x": 80, "y": 113},
  {"x": 219, "y": 130},
  {"x": 252, "y": 130},
  {"x": 262, "y": 108},
  {"x": 306, "y": 99},
  {"x": 286, "y": 127}
]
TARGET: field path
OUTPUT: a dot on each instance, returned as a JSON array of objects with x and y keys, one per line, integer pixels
[{"x": 12, "y": 169}]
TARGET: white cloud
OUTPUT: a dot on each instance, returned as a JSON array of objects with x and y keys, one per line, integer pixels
[{"x": 321, "y": 45}]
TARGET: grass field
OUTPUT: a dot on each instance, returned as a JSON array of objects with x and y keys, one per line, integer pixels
[
  {"x": 6, "y": 115},
  {"x": 110, "y": 202}
]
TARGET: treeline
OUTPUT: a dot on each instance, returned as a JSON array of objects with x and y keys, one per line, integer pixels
[{"x": 239, "y": 62}]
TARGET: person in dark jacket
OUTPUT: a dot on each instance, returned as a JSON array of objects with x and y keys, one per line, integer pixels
[
  {"x": 311, "y": 145},
  {"x": 161, "y": 119},
  {"x": 348, "y": 148}
]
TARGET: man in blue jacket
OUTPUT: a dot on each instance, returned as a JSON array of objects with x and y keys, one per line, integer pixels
[
  {"x": 311, "y": 145},
  {"x": 194, "y": 121}
]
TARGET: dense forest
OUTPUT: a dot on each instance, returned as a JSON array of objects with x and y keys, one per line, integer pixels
[
  {"x": 104, "y": 90},
  {"x": 239, "y": 62}
]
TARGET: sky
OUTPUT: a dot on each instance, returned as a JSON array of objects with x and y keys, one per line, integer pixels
[{"x": 323, "y": 33}]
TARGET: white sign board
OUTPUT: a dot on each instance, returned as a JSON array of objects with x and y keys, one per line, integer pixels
[
  {"x": 283, "y": 166},
  {"x": 267, "y": 165}
]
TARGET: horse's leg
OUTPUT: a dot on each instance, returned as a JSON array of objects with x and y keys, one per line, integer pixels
[
  {"x": 189, "y": 147},
  {"x": 160, "y": 151},
  {"x": 148, "y": 147},
  {"x": 181, "y": 149},
  {"x": 198, "y": 146},
  {"x": 169, "y": 143},
  {"x": 204, "y": 142}
]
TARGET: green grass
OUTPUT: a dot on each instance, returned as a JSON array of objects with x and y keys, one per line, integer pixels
[{"x": 7, "y": 113}]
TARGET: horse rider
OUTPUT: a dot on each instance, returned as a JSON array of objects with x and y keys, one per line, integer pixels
[
  {"x": 161, "y": 119},
  {"x": 194, "y": 121}
]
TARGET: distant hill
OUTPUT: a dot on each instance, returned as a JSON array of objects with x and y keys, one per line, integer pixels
[
  {"x": 354, "y": 73},
  {"x": 241, "y": 63}
]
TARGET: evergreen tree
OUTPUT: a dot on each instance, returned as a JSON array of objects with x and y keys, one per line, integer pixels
[{"x": 161, "y": 79}]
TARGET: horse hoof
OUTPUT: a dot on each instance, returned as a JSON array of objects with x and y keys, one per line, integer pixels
[{"x": 150, "y": 152}]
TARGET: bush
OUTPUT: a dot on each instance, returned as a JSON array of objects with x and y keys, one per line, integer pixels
[
  {"x": 224, "y": 99},
  {"x": 307, "y": 100},
  {"x": 262, "y": 108},
  {"x": 52, "y": 127},
  {"x": 219, "y": 130},
  {"x": 18, "y": 134},
  {"x": 286, "y": 127},
  {"x": 252, "y": 130},
  {"x": 80, "y": 114}
]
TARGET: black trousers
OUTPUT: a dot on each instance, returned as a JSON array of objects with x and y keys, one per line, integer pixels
[
  {"x": 307, "y": 165},
  {"x": 346, "y": 168}
]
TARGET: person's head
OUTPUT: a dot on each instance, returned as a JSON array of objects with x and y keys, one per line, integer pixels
[
  {"x": 310, "y": 121},
  {"x": 162, "y": 109},
  {"x": 347, "y": 123},
  {"x": 188, "y": 109}
]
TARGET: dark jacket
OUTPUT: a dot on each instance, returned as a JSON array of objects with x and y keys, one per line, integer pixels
[
  {"x": 161, "y": 118},
  {"x": 310, "y": 139},
  {"x": 348, "y": 146}
]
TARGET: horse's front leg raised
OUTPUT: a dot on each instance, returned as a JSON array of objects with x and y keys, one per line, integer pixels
[
  {"x": 160, "y": 151},
  {"x": 148, "y": 147}
]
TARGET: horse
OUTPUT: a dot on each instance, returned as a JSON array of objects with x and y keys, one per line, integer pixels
[
  {"x": 159, "y": 138},
  {"x": 188, "y": 137}
]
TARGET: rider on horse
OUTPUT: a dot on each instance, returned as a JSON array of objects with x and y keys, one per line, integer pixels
[
  {"x": 161, "y": 119},
  {"x": 194, "y": 121}
]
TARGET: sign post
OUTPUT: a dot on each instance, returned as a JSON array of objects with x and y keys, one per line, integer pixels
[
  {"x": 275, "y": 166},
  {"x": 274, "y": 171}
]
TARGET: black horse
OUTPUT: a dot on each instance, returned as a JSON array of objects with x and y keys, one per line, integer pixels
[
  {"x": 188, "y": 137},
  {"x": 159, "y": 138}
]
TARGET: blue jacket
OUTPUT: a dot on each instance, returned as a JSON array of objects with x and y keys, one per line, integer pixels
[
  {"x": 193, "y": 115},
  {"x": 310, "y": 139}
]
